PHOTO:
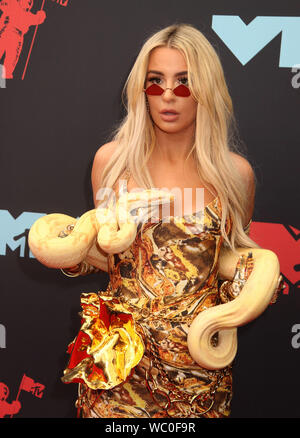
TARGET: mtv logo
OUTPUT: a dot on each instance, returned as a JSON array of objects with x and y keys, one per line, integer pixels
[
  {"x": 245, "y": 41},
  {"x": 38, "y": 390},
  {"x": 14, "y": 231}
]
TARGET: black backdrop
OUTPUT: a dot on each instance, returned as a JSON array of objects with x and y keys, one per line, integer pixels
[{"x": 53, "y": 121}]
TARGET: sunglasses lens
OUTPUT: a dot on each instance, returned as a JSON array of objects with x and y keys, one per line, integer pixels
[
  {"x": 182, "y": 91},
  {"x": 154, "y": 90}
]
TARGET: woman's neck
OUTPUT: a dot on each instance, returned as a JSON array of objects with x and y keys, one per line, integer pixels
[{"x": 173, "y": 148}]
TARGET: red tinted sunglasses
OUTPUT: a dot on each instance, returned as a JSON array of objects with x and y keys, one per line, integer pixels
[{"x": 156, "y": 90}]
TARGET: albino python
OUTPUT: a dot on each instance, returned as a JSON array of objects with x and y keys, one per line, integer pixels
[
  {"x": 95, "y": 234},
  {"x": 109, "y": 230},
  {"x": 254, "y": 297}
]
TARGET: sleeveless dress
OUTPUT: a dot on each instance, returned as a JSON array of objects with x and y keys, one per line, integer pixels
[{"x": 163, "y": 280}]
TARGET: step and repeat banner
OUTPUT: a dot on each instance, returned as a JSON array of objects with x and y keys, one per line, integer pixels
[{"x": 63, "y": 64}]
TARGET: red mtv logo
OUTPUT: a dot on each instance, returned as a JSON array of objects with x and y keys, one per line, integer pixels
[
  {"x": 16, "y": 18},
  {"x": 15, "y": 21},
  {"x": 27, "y": 384},
  {"x": 7, "y": 408},
  {"x": 285, "y": 242}
]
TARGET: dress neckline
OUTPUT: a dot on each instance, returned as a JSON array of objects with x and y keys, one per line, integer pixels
[{"x": 207, "y": 206}]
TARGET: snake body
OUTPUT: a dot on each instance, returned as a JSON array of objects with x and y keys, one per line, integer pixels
[
  {"x": 97, "y": 233},
  {"x": 109, "y": 230},
  {"x": 253, "y": 299}
]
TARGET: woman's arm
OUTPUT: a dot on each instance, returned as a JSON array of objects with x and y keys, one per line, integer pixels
[
  {"x": 256, "y": 285},
  {"x": 93, "y": 257},
  {"x": 96, "y": 258},
  {"x": 101, "y": 158}
]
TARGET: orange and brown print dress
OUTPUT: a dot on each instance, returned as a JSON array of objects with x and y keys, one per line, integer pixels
[{"x": 160, "y": 283}]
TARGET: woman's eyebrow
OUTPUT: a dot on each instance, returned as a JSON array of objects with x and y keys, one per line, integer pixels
[{"x": 156, "y": 72}]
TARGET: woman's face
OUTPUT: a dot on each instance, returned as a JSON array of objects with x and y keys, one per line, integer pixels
[{"x": 170, "y": 113}]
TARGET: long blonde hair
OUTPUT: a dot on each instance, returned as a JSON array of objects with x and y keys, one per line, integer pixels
[{"x": 215, "y": 134}]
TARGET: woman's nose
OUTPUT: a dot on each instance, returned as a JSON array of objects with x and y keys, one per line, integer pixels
[{"x": 168, "y": 94}]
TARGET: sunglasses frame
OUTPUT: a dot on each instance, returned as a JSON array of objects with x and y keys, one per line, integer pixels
[{"x": 162, "y": 90}]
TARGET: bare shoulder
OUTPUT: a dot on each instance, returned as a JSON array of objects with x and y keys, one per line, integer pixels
[
  {"x": 247, "y": 174},
  {"x": 101, "y": 158},
  {"x": 244, "y": 167},
  {"x": 105, "y": 152}
]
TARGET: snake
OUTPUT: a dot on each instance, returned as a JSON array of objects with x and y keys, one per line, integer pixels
[
  {"x": 112, "y": 229},
  {"x": 96, "y": 234},
  {"x": 224, "y": 319}
]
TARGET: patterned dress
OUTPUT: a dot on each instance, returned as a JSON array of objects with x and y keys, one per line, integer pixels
[{"x": 160, "y": 283}]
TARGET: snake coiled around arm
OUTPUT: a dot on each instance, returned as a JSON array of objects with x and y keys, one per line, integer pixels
[
  {"x": 97, "y": 233},
  {"x": 224, "y": 319}
]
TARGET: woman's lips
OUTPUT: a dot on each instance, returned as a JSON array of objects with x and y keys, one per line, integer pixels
[{"x": 169, "y": 115}]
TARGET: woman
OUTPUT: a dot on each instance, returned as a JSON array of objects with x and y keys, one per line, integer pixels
[
  {"x": 167, "y": 141},
  {"x": 132, "y": 356}
]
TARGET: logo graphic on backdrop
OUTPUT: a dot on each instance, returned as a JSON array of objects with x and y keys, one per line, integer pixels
[
  {"x": 27, "y": 384},
  {"x": 247, "y": 40},
  {"x": 15, "y": 21},
  {"x": 14, "y": 232},
  {"x": 284, "y": 240}
]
